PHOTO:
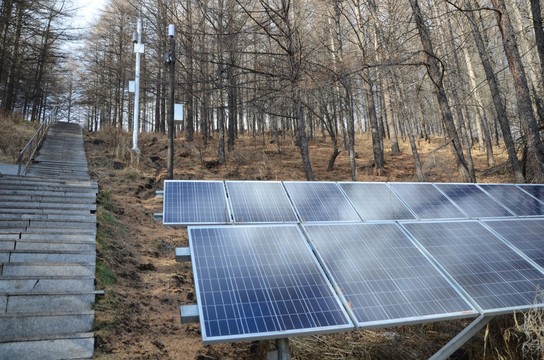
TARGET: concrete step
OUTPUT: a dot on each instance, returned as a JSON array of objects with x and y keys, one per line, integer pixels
[
  {"x": 46, "y": 323},
  {"x": 7, "y": 245},
  {"x": 59, "y": 237},
  {"x": 50, "y": 270},
  {"x": 55, "y": 186},
  {"x": 43, "y": 285},
  {"x": 70, "y": 346},
  {"x": 34, "y": 192},
  {"x": 14, "y": 224},
  {"x": 46, "y": 211},
  {"x": 46, "y": 205},
  {"x": 52, "y": 246},
  {"x": 48, "y": 303},
  {"x": 48, "y": 257},
  {"x": 90, "y": 218},
  {"x": 40, "y": 230},
  {"x": 49, "y": 199}
]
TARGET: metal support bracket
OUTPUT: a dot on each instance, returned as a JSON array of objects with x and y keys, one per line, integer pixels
[
  {"x": 183, "y": 254},
  {"x": 472, "y": 329},
  {"x": 160, "y": 194},
  {"x": 158, "y": 216},
  {"x": 283, "y": 351},
  {"x": 188, "y": 314}
]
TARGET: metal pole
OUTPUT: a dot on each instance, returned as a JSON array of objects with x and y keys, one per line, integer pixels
[
  {"x": 284, "y": 352},
  {"x": 137, "y": 92},
  {"x": 172, "y": 66}
]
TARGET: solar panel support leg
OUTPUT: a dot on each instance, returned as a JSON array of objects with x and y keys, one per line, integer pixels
[
  {"x": 284, "y": 352},
  {"x": 461, "y": 338}
]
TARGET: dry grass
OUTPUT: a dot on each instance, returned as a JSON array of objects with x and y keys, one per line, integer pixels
[{"x": 14, "y": 134}]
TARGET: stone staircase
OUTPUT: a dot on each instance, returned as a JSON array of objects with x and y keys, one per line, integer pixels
[{"x": 48, "y": 253}]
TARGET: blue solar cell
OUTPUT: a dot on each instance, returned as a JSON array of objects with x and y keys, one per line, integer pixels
[
  {"x": 525, "y": 234},
  {"x": 383, "y": 277},
  {"x": 473, "y": 201},
  {"x": 514, "y": 199},
  {"x": 535, "y": 190},
  {"x": 260, "y": 202},
  {"x": 320, "y": 202},
  {"x": 195, "y": 202},
  {"x": 257, "y": 282},
  {"x": 426, "y": 201},
  {"x": 376, "y": 201},
  {"x": 492, "y": 273}
]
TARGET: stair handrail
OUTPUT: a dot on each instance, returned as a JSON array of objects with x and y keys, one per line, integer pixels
[{"x": 36, "y": 141}]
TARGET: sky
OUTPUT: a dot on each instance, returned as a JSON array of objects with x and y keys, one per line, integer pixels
[{"x": 89, "y": 11}]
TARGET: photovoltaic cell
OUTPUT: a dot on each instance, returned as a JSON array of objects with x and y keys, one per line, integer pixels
[
  {"x": 536, "y": 190},
  {"x": 495, "y": 276},
  {"x": 426, "y": 201},
  {"x": 525, "y": 234},
  {"x": 473, "y": 201},
  {"x": 260, "y": 202},
  {"x": 320, "y": 202},
  {"x": 383, "y": 277},
  {"x": 514, "y": 199},
  {"x": 375, "y": 201},
  {"x": 194, "y": 202},
  {"x": 259, "y": 282}
]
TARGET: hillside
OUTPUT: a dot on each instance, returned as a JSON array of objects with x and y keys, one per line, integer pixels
[{"x": 138, "y": 317}]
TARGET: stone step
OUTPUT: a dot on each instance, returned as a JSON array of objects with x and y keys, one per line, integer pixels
[
  {"x": 84, "y": 186},
  {"x": 52, "y": 246},
  {"x": 14, "y": 224},
  {"x": 70, "y": 346},
  {"x": 59, "y": 237},
  {"x": 47, "y": 257},
  {"x": 46, "y": 323},
  {"x": 48, "y": 303},
  {"x": 33, "y": 192},
  {"x": 46, "y": 205},
  {"x": 50, "y": 270},
  {"x": 49, "y": 199},
  {"x": 44, "y": 285},
  {"x": 40, "y": 230},
  {"x": 7, "y": 245},
  {"x": 90, "y": 218},
  {"x": 46, "y": 211}
]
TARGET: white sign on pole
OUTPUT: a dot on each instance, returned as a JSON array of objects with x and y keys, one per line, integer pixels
[
  {"x": 131, "y": 86},
  {"x": 178, "y": 112},
  {"x": 139, "y": 48}
]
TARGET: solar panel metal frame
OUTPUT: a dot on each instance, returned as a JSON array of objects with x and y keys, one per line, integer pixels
[
  {"x": 284, "y": 191},
  {"x": 524, "y": 187},
  {"x": 510, "y": 243},
  {"x": 509, "y": 208},
  {"x": 269, "y": 335},
  {"x": 302, "y": 220},
  {"x": 402, "y": 321},
  {"x": 228, "y": 214},
  {"x": 489, "y": 312},
  {"x": 391, "y": 185},
  {"x": 438, "y": 185},
  {"x": 393, "y": 193}
]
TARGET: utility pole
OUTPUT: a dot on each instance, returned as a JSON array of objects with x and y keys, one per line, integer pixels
[
  {"x": 138, "y": 49},
  {"x": 171, "y": 61}
]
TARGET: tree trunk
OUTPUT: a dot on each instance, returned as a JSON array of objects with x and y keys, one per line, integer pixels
[
  {"x": 539, "y": 36},
  {"x": 500, "y": 108},
  {"x": 435, "y": 73},
  {"x": 523, "y": 95}
]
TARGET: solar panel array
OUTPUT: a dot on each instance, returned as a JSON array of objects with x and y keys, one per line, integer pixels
[
  {"x": 261, "y": 282},
  {"x": 383, "y": 277},
  {"x": 366, "y": 255}
]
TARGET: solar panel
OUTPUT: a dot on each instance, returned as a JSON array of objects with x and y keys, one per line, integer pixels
[
  {"x": 260, "y": 282},
  {"x": 383, "y": 277},
  {"x": 376, "y": 201},
  {"x": 194, "y": 202},
  {"x": 495, "y": 276},
  {"x": 320, "y": 201},
  {"x": 514, "y": 199},
  {"x": 426, "y": 201},
  {"x": 473, "y": 201},
  {"x": 525, "y": 234},
  {"x": 260, "y": 202},
  {"x": 535, "y": 190}
]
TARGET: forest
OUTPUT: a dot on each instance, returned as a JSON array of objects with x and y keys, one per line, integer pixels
[{"x": 470, "y": 72}]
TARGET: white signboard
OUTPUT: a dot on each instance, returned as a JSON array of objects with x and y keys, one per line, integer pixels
[
  {"x": 178, "y": 112},
  {"x": 131, "y": 86},
  {"x": 139, "y": 48}
]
